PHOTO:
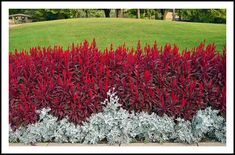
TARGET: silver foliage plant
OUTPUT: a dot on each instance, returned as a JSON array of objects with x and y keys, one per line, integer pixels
[
  {"x": 116, "y": 125},
  {"x": 112, "y": 124},
  {"x": 207, "y": 124},
  {"x": 152, "y": 128},
  {"x": 47, "y": 129},
  {"x": 183, "y": 132}
]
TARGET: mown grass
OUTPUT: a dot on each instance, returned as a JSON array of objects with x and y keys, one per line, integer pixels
[{"x": 115, "y": 31}]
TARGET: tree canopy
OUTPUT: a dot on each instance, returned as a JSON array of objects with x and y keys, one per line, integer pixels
[{"x": 192, "y": 15}]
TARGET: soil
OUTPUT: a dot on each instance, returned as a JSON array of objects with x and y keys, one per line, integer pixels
[{"x": 130, "y": 144}]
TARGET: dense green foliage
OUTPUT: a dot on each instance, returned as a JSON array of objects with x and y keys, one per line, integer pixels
[
  {"x": 193, "y": 15},
  {"x": 204, "y": 15}
]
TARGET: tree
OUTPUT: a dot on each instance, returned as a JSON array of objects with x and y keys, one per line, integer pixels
[
  {"x": 87, "y": 12},
  {"x": 204, "y": 15},
  {"x": 162, "y": 11},
  {"x": 119, "y": 13},
  {"x": 107, "y": 12},
  {"x": 76, "y": 13},
  {"x": 138, "y": 13},
  {"x": 173, "y": 15},
  {"x": 156, "y": 13},
  {"x": 15, "y": 11},
  {"x": 179, "y": 13},
  {"x": 150, "y": 13}
]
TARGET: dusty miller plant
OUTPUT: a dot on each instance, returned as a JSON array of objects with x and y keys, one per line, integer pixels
[
  {"x": 14, "y": 135},
  {"x": 183, "y": 132},
  {"x": 47, "y": 129},
  {"x": 207, "y": 124},
  {"x": 152, "y": 128},
  {"x": 112, "y": 124}
]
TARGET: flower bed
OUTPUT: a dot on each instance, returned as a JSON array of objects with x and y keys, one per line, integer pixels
[
  {"x": 157, "y": 82},
  {"x": 116, "y": 125}
]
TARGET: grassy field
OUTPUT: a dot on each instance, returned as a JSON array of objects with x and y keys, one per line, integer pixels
[{"x": 115, "y": 31}]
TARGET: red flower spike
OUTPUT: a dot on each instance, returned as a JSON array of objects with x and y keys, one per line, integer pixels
[
  {"x": 162, "y": 101},
  {"x": 147, "y": 76},
  {"x": 200, "y": 86},
  {"x": 174, "y": 98},
  {"x": 183, "y": 102}
]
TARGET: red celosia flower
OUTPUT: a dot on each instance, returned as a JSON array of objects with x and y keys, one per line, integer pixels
[
  {"x": 174, "y": 98},
  {"x": 183, "y": 102},
  {"x": 147, "y": 76},
  {"x": 162, "y": 101}
]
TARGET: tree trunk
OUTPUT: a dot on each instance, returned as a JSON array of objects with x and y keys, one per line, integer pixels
[
  {"x": 173, "y": 15},
  {"x": 107, "y": 12},
  {"x": 116, "y": 12},
  {"x": 179, "y": 14},
  {"x": 162, "y": 13},
  {"x": 87, "y": 14},
  {"x": 119, "y": 13},
  {"x": 156, "y": 16},
  {"x": 77, "y": 14},
  {"x": 122, "y": 13},
  {"x": 149, "y": 13},
  {"x": 138, "y": 13}
]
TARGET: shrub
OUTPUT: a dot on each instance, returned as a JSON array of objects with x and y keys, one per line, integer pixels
[
  {"x": 183, "y": 132},
  {"x": 74, "y": 82},
  {"x": 112, "y": 124},
  {"x": 208, "y": 122}
]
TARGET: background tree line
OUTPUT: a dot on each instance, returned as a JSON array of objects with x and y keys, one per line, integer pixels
[{"x": 192, "y": 15}]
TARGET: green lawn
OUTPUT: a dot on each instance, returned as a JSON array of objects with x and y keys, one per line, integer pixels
[{"x": 115, "y": 31}]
